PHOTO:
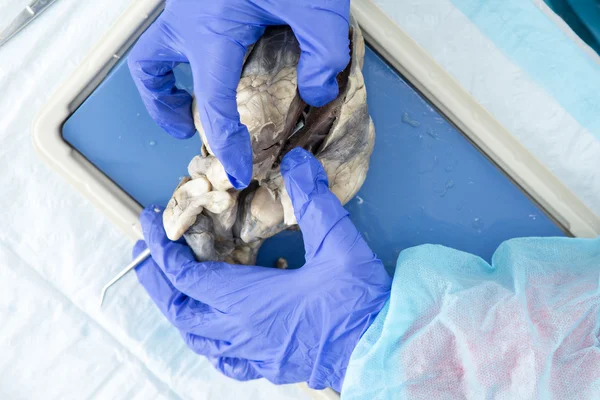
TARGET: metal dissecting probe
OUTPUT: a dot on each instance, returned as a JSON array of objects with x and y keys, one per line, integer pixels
[{"x": 136, "y": 261}]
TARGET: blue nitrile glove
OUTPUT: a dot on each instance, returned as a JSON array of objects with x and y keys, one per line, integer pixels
[
  {"x": 213, "y": 37},
  {"x": 284, "y": 325}
]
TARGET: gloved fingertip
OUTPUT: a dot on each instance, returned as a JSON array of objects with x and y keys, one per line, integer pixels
[
  {"x": 241, "y": 182},
  {"x": 304, "y": 178},
  {"x": 182, "y": 130},
  {"x": 230, "y": 143},
  {"x": 294, "y": 158},
  {"x": 318, "y": 96},
  {"x": 301, "y": 164},
  {"x": 236, "y": 158},
  {"x": 324, "y": 56}
]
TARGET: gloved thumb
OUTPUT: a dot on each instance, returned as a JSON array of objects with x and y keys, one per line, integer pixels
[
  {"x": 323, "y": 38},
  {"x": 316, "y": 208}
]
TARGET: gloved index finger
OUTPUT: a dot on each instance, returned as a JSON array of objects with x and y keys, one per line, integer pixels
[
  {"x": 217, "y": 60},
  {"x": 151, "y": 63},
  {"x": 325, "y": 224}
]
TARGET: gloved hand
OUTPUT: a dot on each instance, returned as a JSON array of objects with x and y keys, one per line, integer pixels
[
  {"x": 213, "y": 37},
  {"x": 284, "y": 325}
]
